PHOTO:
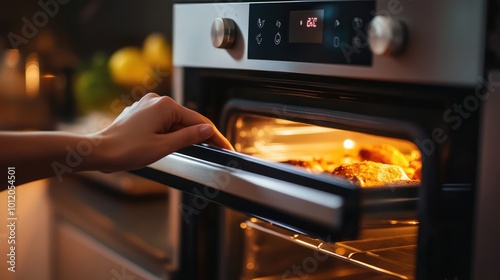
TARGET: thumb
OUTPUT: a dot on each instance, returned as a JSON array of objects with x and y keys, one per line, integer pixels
[{"x": 187, "y": 136}]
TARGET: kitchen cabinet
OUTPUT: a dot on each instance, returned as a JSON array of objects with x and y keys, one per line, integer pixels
[
  {"x": 99, "y": 233},
  {"x": 80, "y": 256}
]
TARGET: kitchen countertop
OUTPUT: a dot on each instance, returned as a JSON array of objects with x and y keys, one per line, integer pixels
[{"x": 134, "y": 226}]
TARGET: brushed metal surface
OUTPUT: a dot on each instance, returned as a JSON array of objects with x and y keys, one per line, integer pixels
[
  {"x": 301, "y": 201},
  {"x": 487, "y": 231},
  {"x": 445, "y": 43}
]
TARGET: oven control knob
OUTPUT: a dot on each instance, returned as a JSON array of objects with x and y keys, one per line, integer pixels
[
  {"x": 386, "y": 35},
  {"x": 223, "y": 33}
]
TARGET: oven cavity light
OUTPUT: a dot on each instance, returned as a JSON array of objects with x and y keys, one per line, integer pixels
[
  {"x": 349, "y": 144},
  {"x": 243, "y": 225}
]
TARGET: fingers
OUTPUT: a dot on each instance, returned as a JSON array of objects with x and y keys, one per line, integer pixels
[
  {"x": 190, "y": 117},
  {"x": 186, "y": 136},
  {"x": 150, "y": 95},
  {"x": 182, "y": 118},
  {"x": 217, "y": 139},
  {"x": 220, "y": 141}
]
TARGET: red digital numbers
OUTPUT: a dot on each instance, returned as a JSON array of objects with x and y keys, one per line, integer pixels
[{"x": 311, "y": 21}]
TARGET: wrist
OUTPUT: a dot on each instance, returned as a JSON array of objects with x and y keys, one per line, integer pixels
[{"x": 92, "y": 149}]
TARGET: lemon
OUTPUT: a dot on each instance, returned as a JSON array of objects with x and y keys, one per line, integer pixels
[
  {"x": 157, "y": 51},
  {"x": 128, "y": 66}
]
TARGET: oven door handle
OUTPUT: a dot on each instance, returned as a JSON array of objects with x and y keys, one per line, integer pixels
[
  {"x": 244, "y": 183},
  {"x": 315, "y": 205}
]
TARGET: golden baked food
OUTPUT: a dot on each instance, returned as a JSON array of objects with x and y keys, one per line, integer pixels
[
  {"x": 372, "y": 174},
  {"x": 384, "y": 153},
  {"x": 311, "y": 165},
  {"x": 371, "y": 166},
  {"x": 316, "y": 164}
]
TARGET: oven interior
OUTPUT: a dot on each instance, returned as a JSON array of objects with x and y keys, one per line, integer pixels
[
  {"x": 385, "y": 247},
  {"x": 439, "y": 218},
  {"x": 323, "y": 149}
]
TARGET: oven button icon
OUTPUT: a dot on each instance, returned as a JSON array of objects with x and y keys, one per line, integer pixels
[
  {"x": 258, "y": 38},
  {"x": 336, "y": 41},
  {"x": 356, "y": 42},
  {"x": 277, "y": 38},
  {"x": 357, "y": 23},
  {"x": 260, "y": 22}
]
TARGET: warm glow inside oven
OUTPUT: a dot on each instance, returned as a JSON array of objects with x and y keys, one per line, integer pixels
[
  {"x": 365, "y": 160},
  {"x": 385, "y": 248}
]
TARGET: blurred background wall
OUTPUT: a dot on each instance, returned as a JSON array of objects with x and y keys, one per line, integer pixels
[
  {"x": 72, "y": 43},
  {"x": 82, "y": 27},
  {"x": 68, "y": 45}
]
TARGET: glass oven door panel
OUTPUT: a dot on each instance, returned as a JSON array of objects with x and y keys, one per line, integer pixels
[
  {"x": 364, "y": 159},
  {"x": 386, "y": 169}
]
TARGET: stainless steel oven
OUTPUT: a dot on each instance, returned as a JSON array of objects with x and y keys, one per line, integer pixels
[{"x": 361, "y": 130}]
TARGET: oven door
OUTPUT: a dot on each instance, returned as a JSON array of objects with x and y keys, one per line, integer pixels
[{"x": 319, "y": 205}]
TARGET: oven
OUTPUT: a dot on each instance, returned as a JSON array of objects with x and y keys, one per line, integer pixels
[{"x": 362, "y": 134}]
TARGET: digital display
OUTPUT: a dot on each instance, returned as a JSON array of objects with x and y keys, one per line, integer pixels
[
  {"x": 329, "y": 32},
  {"x": 306, "y": 26}
]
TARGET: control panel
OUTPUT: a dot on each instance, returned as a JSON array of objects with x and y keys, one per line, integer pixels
[{"x": 319, "y": 32}]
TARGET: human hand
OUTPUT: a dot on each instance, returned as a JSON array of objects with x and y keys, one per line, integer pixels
[{"x": 150, "y": 129}]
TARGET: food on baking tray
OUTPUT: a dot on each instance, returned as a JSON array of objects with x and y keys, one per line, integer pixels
[
  {"x": 373, "y": 174},
  {"x": 371, "y": 166},
  {"x": 314, "y": 165},
  {"x": 384, "y": 153},
  {"x": 388, "y": 154}
]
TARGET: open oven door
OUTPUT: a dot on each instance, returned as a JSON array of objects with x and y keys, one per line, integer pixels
[{"x": 319, "y": 205}]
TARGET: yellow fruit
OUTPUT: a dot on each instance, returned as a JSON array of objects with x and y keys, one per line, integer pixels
[
  {"x": 128, "y": 66},
  {"x": 157, "y": 52}
]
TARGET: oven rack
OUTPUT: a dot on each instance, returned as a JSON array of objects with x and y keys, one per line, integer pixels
[{"x": 393, "y": 255}]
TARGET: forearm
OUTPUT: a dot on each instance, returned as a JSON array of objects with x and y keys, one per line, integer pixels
[
  {"x": 37, "y": 155},
  {"x": 150, "y": 129}
]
